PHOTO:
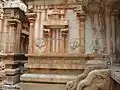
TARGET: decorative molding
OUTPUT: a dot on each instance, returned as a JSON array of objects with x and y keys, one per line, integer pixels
[{"x": 74, "y": 44}]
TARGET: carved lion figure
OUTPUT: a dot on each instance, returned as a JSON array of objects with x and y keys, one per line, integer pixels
[
  {"x": 96, "y": 80},
  {"x": 93, "y": 65}
]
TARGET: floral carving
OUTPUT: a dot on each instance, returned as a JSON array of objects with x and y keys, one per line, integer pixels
[
  {"x": 74, "y": 44},
  {"x": 41, "y": 44}
]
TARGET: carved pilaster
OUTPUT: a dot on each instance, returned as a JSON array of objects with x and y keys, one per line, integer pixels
[
  {"x": 64, "y": 41},
  {"x": 13, "y": 35},
  {"x": 11, "y": 39},
  {"x": 31, "y": 18},
  {"x": 81, "y": 17},
  {"x": 47, "y": 39}
]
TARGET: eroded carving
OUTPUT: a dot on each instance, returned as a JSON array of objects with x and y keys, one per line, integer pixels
[
  {"x": 92, "y": 65},
  {"x": 2, "y": 69},
  {"x": 96, "y": 80},
  {"x": 72, "y": 85},
  {"x": 41, "y": 44},
  {"x": 74, "y": 44}
]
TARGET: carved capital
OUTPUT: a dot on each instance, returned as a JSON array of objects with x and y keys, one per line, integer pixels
[
  {"x": 13, "y": 22},
  {"x": 81, "y": 15},
  {"x": 64, "y": 32},
  {"x": 47, "y": 32},
  {"x": 31, "y": 17}
]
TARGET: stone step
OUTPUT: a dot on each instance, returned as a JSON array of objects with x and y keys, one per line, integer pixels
[{"x": 46, "y": 78}]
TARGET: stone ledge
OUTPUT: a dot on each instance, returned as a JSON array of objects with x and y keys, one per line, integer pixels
[
  {"x": 3, "y": 55},
  {"x": 49, "y": 78},
  {"x": 12, "y": 71},
  {"x": 78, "y": 55}
]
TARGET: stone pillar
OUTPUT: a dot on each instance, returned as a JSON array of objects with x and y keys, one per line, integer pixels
[
  {"x": 81, "y": 17},
  {"x": 31, "y": 17}
]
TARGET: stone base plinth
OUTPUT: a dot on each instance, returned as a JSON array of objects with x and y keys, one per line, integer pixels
[{"x": 11, "y": 80}]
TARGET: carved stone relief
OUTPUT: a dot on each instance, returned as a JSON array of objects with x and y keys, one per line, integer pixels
[
  {"x": 74, "y": 44},
  {"x": 95, "y": 74},
  {"x": 15, "y": 3},
  {"x": 41, "y": 45},
  {"x": 2, "y": 69},
  {"x": 96, "y": 80}
]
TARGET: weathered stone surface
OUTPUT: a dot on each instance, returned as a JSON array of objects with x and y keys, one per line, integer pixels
[
  {"x": 96, "y": 79},
  {"x": 36, "y": 86},
  {"x": 91, "y": 66}
]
